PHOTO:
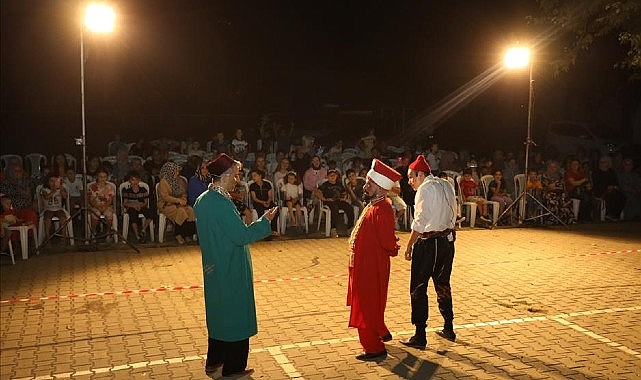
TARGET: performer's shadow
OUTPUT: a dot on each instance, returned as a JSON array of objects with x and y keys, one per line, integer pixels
[{"x": 409, "y": 366}]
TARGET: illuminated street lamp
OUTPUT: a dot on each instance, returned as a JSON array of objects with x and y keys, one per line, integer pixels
[
  {"x": 99, "y": 18},
  {"x": 519, "y": 58}
]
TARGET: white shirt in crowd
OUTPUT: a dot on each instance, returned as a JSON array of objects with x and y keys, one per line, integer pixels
[{"x": 75, "y": 187}]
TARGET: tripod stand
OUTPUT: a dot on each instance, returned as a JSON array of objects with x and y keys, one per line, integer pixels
[
  {"x": 109, "y": 231},
  {"x": 522, "y": 198}
]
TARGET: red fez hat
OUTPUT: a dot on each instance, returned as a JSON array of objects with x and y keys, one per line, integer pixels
[
  {"x": 383, "y": 175},
  {"x": 219, "y": 164},
  {"x": 420, "y": 165}
]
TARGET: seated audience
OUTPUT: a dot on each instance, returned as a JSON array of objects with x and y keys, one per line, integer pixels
[
  {"x": 470, "y": 193},
  {"x": 630, "y": 182},
  {"x": 605, "y": 185},
  {"x": 555, "y": 197},
  {"x": 135, "y": 200},
  {"x": 101, "y": 197},
  {"x": 172, "y": 201},
  {"x": 497, "y": 191},
  {"x": 262, "y": 196}
]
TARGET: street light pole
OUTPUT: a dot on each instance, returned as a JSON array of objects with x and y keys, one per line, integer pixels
[
  {"x": 84, "y": 136},
  {"x": 520, "y": 58},
  {"x": 528, "y": 142},
  {"x": 98, "y": 18}
]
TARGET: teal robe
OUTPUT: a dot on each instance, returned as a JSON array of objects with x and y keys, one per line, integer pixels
[{"x": 227, "y": 268}]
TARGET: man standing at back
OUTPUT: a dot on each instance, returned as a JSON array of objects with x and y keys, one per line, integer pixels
[{"x": 431, "y": 249}]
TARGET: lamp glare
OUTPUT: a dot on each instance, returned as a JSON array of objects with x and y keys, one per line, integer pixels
[
  {"x": 99, "y": 18},
  {"x": 517, "y": 57}
]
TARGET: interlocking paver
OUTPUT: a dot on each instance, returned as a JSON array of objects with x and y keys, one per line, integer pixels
[{"x": 529, "y": 303}]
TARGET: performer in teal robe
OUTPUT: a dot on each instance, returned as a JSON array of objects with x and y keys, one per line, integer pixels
[{"x": 227, "y": 269}]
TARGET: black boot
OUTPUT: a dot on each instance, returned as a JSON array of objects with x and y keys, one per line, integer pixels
[
  {"x": 419, "y": 340},
  {"x": 448, "y": 331}
]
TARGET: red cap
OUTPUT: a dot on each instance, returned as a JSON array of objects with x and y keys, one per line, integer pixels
[
  {"x": 219, "y": 164},
  {"x": 383, "y": 175},
  {"x": 420, "y": 165}
]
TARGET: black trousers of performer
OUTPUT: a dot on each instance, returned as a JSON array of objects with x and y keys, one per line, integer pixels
[
  {"x": 233, "y": 355},
  {"x": 431, "y": 258}
]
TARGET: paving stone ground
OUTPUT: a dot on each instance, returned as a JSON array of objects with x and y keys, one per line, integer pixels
[{"x": 530, "y": 303}]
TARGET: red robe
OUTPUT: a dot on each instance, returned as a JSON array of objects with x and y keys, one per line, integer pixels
[{"x": 374, "y": 243}]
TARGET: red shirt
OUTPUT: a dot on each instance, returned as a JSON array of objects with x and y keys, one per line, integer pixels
[{"x": 576, "y": 176}]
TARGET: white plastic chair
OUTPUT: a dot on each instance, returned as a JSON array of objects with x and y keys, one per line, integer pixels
[
  {"x": 114, "y": 222},
  {"x": 35, "y": 162},
  {"x": 72, "y": 161},
  {"x": 323, "y": 209},
  {"x": 13, "y": 260},
  {"x": 7, "y": 160},
  {"x": 125, "y": 215},
  {"x": 496, "y": 206},
  {"x": 24, "y": 239},
  {"x": 56, "y": 220},
  {"x": 469, "y": 207}
]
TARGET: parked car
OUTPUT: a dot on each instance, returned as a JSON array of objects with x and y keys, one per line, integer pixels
[{"x": 565, "y": 137}]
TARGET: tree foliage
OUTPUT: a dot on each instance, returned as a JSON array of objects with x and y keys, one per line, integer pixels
[{"x": 586, "y": 21}]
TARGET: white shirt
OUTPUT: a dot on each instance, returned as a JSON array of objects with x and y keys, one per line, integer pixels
[
  {"x": 75, "y": 187},
  {"x": 291, "y": 191},
  {"x": 435, "y": 205}
]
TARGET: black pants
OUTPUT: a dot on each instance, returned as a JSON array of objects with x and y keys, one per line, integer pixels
[
  {"x": 337, "y": 219},
  {"x": 260, "y": 210},
  {"x": 233, "y": 355},
  {"x": 186, "y": 229},
  {"x": 431, "y": 258}
]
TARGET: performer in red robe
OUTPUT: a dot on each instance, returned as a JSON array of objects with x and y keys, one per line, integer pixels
[{"x": 372, "y": 242}]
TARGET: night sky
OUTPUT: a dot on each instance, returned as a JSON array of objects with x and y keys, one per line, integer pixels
[{"x": 203, "y": 57}]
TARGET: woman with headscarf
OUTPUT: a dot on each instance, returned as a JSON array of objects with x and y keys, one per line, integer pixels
[
  {"x": 555, "y": 196},
  {"x": 21, "y": 189},
  {"x": 227, "y": 269},
  {"x": 172, "y": 201},
  {"x": 198, "y": 183}
]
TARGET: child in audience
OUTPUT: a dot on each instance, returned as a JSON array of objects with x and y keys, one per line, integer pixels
[
  {"x": 53, "y": 194},
  {"x": 292, "y": 192},
  {"x": 470, "y": 193},
  {"x": 135, "y": 200},
  {"x": 8, "y": 218},
  {"x": 534, "y": 187},
  {"x": 74, "y": 186}
]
